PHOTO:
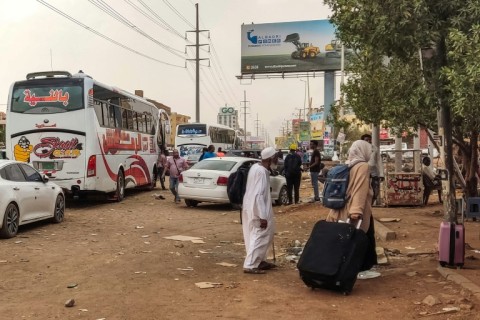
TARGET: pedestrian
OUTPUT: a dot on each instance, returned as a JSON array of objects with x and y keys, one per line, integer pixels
[
  {"x": 293, "y": 174},
  {"x": 161, "y": 165},
  {"x": 210, "y": 152},
  {"x": 175, "y": 165},
  {"x": 220, "y": 153},
  {"x": 315, "y": 166},
  {"x": 432, "y": 181},
  {"x": 373, "y": 168},
  {"x": 257, "y": 215},
  {"x": 204, "y": 150},
  {"x": 360, "y": 194}
]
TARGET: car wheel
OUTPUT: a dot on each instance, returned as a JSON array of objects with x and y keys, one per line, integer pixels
[
  {"x": 59, "y": 212},
  {"x": 120, "y": 193},
  {"x": 10, "y": 222},
  {"x": 282, "y": 196},
  {"x": 191, "y": 203}
]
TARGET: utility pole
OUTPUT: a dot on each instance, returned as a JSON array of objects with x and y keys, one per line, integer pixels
[
  {"x": 257, "y": 124},
  {"x": 244, "y": 118},
  {"x": 197, "y": 59}
]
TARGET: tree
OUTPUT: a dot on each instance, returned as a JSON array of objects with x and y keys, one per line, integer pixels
[{"x": 395, "y": 31}]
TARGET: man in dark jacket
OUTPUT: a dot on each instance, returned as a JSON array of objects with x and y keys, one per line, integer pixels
[{"x": 293, "y": 173}]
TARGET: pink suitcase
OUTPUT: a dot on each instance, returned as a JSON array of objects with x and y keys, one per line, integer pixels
[{"x": 451, "y": 244}]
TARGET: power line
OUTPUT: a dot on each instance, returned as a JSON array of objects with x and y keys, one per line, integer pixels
[
  {"x": 181, "y": 16},
  {"x": 117, "y": 16},
  {"x": 104, "y": 36},
  {"x": 157, "y": 16},
  {"x": 174, "y": 32}
]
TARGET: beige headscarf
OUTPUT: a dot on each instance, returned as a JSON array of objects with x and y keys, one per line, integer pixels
[{"x": 360, "y": 151}]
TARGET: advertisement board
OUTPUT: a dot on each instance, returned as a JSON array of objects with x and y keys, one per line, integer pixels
[
  {"x": 300, "y": 46},
  {"x": 304, "y": 131},
  {"x": 317, "y": 125}
]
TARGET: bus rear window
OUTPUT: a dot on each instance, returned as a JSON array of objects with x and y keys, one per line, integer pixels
[
  {"x": 48, "y": 97},
  {"x": 192, "y": 130}
]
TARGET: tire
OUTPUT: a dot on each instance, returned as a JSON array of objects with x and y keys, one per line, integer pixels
[
  {"x": 120, "y": 193},
  {"x": 304, "y": 55},
  {"x": 10, "y": 222},
  {"x": 59, "y": 211},
  {"x": 312, "y": 54},
  {"x": 282, "y": 197},
  {"x": 191, "y": 203}
]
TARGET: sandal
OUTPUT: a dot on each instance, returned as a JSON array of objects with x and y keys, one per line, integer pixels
[
  {"x": 264, "y": 265},
  {"x": 254, "y": 271}
]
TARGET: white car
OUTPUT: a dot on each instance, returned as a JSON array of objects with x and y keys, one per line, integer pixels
[
  {"x": 26, "y": 196},
  {"x": 207, "y": 181}
]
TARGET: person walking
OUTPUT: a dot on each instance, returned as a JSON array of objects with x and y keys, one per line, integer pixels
[
  {"x": 204, "y": 150},
  {"x": 175, "y": 165},
  {"x": 293, "y": 174},
  {"x": 360, "y": 194},
  {"x": 315, "y": 167},
  {"x": 257, "y": 215},
  {"x": 210, "y": 152},
  {"x": 372, "y": 165},
  {"x": 161, "y": 165}
]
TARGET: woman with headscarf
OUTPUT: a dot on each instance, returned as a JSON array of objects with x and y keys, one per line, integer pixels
[{"x": 360, "y": 194}]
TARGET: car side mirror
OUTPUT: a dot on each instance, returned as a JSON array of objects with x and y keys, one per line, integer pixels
[{"x": 45, "y": 178}]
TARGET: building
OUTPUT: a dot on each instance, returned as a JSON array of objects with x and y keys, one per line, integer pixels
[
  {"x": 228, "y": 116},
  {"x": 175, "y": 120}
]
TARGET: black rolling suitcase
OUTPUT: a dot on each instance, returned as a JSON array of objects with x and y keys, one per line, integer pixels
[{"x": 333, "y": 256}]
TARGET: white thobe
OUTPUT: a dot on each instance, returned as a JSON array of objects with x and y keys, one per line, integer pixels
[{"x": 257, "y": 204}]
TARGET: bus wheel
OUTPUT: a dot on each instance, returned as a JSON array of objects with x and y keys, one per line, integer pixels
[{"x": 120, "y": 193}]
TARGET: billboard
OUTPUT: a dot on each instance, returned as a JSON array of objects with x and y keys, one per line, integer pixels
[
  {"x": 300, "y": 46},
  {"x": 304, "y": 131},
  {"x": 317, "y": 125}
]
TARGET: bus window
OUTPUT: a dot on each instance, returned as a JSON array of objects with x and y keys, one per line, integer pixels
[
  {"x": 135, "y": 121},
  {"x": 99, "y": 112},
  {"x": 124, "y": 118},
  {"x": 130, "y": 120}
]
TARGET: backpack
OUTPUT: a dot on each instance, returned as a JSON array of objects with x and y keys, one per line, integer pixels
[
  {"x": 237, "y": 184},
  {"x": 292, "y": 164},
  {"x": 335, "y": 188}
]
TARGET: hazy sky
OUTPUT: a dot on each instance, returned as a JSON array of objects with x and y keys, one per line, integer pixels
[{"x": 35, "y": 38}]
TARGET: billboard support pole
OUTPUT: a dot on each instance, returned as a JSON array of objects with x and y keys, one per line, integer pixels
[{"x": 244, "y": 118}]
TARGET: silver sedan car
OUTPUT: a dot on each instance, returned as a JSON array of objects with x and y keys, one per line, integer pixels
[
  {"x": 26, "y": 196},
  {"x": 207, "y": 181}
]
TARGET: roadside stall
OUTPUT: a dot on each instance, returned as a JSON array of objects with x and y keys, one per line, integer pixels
[{"x": 403, "y": 184}]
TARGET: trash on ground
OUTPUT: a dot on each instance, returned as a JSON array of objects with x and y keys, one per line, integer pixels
[
  {"x": 185, "y": 269},
  {"x": 208, "y": 285},
  {"x": 389, "y": 219},
  {"x": 226, "y": 264},
  {"x": 182, "y": 238},
  {"x": 363, "y": 275}
]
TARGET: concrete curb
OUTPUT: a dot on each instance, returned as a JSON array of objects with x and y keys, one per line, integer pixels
[
  {"x": 383, "y": 232},
  {"x": 451, "y": 275}
]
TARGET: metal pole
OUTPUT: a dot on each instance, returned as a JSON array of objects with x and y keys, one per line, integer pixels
[
  {"x": 245, "y": 117},
  {"x": 197, "y": 71}
]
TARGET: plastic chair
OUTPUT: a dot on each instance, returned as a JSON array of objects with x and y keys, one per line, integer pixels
[{"x": 473, "y": 208}]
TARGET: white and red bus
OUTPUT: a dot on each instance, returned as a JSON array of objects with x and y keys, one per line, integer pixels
[{"x": 84, "y": 135}]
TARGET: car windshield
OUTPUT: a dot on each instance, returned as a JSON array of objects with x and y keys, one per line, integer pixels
[{"x": 220, "y": 165}]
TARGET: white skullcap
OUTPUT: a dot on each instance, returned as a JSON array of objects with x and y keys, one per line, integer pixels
[{"x": 268, "y": 153}]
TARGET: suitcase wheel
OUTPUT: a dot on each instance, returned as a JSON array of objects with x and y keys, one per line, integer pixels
[{"x": 443, "y": 264}]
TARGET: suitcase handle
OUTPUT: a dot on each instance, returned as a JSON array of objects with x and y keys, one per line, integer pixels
[{"x": 359, "y": 223}]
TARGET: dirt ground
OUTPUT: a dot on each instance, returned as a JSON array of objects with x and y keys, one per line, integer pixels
[{"x": 121, "y": 267}]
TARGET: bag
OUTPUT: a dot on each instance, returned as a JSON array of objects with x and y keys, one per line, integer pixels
[
  {"x": 237, "y": 184},
  {"x": 333, "y": 256},
  {"x": 335, "y": 189},
  {"x": 451, "y": 244}
]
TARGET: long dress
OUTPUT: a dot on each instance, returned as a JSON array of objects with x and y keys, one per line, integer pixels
[{"x": 257, "y": 204}]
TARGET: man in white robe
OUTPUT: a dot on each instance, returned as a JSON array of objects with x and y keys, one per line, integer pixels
[{"x": 257, "y": 215}]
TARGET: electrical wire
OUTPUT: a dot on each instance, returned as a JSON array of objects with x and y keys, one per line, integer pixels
[
  {"x": 161, "y": 25},
  {"x": 117, "y": 16},
  {"x": 157, "y": 16},
  {"x": 181, "y": 16},
  {"x": 53, "y": 8}
]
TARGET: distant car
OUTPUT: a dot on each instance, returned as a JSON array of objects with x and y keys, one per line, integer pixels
[
  {"x": 207, "y": 181},
  {"x": 192, "y": 158},
  {"x": 26, "y": 196}
]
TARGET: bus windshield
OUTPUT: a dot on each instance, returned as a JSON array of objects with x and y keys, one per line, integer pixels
[{"x": 47, "y": 96}]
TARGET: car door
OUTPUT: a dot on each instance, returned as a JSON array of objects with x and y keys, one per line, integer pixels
[
  {"x": 23, "y": 193},
  {"x": 44, "y": 196}
]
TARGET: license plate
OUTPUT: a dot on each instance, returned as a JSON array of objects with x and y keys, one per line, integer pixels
[
  {"x": 198, "y": 180},
  {"x": 47, "y": 165}
]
